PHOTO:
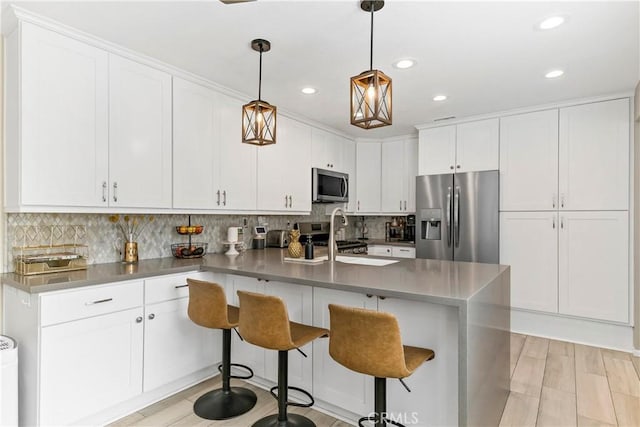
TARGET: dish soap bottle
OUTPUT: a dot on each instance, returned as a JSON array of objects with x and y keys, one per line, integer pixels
[{"x": 308, "y": 248}]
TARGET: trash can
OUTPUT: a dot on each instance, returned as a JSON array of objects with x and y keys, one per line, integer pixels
[{"x": 8, "y": 381}]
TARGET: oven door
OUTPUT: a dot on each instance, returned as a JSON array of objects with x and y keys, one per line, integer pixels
[{"x": 329, "y": 186}]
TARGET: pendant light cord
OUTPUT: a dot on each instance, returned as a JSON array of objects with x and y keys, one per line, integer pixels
[
  {"x": 371, "y": 47},
  {"x": 260, "y": 76}
]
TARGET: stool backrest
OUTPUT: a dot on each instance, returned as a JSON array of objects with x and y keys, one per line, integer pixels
[
  {"x": 264, "y": 321},
  {"x": 208, "y": 305},
  {"x": 367, "y": 341}
]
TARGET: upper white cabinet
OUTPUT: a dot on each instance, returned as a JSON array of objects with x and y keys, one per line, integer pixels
[
  {"x": 399, "y": 170},
  {"x": 368, "y": 179},
  {"x": 207, "y": 151},
  {"x": 465, "y": 147},
  {"x": 327, "y": 150},
  {"x": 284, "y": 169},
  {"x": 594, "y": 156},
  {"x": 139, "y": 135},
  {"x": 56, "y": 121},
  {"x": 529, "y": 161}
]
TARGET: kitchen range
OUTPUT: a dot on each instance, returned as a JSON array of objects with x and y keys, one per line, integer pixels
[{"x": 319, "y": 233}]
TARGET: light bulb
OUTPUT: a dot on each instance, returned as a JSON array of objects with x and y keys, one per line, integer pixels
[{"x": 371, "y": 93}]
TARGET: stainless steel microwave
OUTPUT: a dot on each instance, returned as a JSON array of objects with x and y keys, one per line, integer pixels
[{"x": 329, "y": 186}]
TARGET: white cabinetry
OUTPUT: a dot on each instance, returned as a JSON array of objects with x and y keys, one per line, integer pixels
[
  {"x": 594, "y": 265},
  {"x": 284, "y": 169},
  {"x": 403, "y": 252},
  {"x": 466, "y": 147},
  {"x": 399, "y": 170},
  {"x": 529, "y": 244},
  {"x": 332, "y": 382},
  {"x": 529, "y": 161},
  {"x": 368, "y": 167},
  {"x": 327, "y": 150},
  {"x": 594, "y": 156},
  {"x": 139, "y": 135},
  {"x": 212, "y": 169},
  {"x": 379, "y": 250},
  {"x": 57, "y": 121},
  {"x": 350, "y": 168}
]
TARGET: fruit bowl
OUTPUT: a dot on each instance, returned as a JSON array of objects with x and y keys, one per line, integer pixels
[
  {"x": 184, "y": 250},
  {"x": 189, "y": 229}
]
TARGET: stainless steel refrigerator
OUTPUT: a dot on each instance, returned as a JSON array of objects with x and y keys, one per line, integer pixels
[{"x": 457, "y": 216}]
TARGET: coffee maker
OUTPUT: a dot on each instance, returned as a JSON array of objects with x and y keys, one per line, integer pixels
[{"x": 410, "y": 228}]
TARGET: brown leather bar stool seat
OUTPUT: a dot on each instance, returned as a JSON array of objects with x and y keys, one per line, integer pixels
[
  {"x": 369, "y": 342},
  {"x": 264, "y": 322},
  {"x": 208, "y": 307}
]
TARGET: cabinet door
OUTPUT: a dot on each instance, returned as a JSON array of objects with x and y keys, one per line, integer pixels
[
  {"x": 477, "y": 146},
  {"x": 349, "y": 161},
  {"x": 195, "y": 146},
  {"x": 426, "y": 405},
  {"x": 437, "y": 150},
  {"x": 332, "y": 382},
  {"x": 379, "y": 250},
  {"x": 394, "y": 177},
  {"x": 594, "y": 156},
  {"x": 402, "y": 252},
  {"x": 89, "y": 365},
  {"x": 241, "y": 351},
  {"x": 174, "y": 346},
  {"x": 529, "y": 161},
  {"x": 299, "y": 301},
  {"x": 237, "y": 162},
  {"x": 139, "y": 135},
  {"x": 594, "y": 265},
  {"x": 64, "y": 123},
  {"x": 529, "y": 244},
  {"x": 411, "y": 171},
  {"x": 368, "y": 166}
]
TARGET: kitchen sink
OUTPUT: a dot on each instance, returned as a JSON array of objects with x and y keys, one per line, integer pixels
[{"x": 378, "y": 262}]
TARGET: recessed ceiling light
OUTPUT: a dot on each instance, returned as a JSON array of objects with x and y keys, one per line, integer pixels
[
  {"x": 309, "y": 90},
  {"x": 551, "y": 22},
  {"x": 438, "y": 98},
  {"x": 404, "y": 63},
  {"x": 554, "y": 74}
]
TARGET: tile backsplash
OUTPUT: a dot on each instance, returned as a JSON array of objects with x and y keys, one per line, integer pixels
[{"x": 104, "y": 237}]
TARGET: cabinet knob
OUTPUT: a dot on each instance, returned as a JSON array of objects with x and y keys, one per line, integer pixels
[
  {"x": 152, "y": 316},
  {"x": 451, "y": 167},
  {"x": 139, "y": 319},
  {"x": 115, "y": 191},
  {"x": 458, "y": 166},
  {"x": 104, "y": 191}
]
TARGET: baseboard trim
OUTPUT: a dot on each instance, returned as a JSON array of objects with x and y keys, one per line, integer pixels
[{"x": 579, "y": 331}]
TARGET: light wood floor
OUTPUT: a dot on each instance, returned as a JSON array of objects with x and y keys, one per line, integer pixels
[{"x": 553, "y": 384}]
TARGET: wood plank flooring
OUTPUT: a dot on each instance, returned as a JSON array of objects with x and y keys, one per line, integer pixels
[{"x": 553, "y": 384}]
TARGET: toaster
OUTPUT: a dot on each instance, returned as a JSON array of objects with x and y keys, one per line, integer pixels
[{"x": 277, "y": 238}]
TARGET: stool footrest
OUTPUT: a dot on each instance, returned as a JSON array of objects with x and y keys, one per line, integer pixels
[
  {"x": 240, "y": 377},
  {"x": 374, "y": 418},
  {"x": 302, "y": 405}
]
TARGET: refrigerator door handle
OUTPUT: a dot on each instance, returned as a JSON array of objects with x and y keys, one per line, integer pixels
[
  {"x": 456, "y": 217},
  {"x": 449, "y": 217}
]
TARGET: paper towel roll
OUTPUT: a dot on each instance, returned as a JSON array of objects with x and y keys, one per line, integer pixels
[{"x": 232, "y": 234}]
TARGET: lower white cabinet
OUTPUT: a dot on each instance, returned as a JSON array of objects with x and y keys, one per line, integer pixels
[
  {"x": 573, "y": 263},
  {"x": 379, "y": 250},
  {"x": 403, "y": 252},
  {"x": 88, "y": 365},
  {"x": 332, "y": 382}
]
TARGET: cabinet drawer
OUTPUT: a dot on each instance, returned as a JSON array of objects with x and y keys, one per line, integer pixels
[
  {"x": 169, "y": 287},
  {"x": 402, "y": 252},
  {"x": 93, "y": 301}
]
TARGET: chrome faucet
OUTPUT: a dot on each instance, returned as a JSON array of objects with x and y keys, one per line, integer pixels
[{"x": 332, "y": 246}]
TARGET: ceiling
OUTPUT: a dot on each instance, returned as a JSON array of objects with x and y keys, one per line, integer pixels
[{"x": 485, "y": 56}]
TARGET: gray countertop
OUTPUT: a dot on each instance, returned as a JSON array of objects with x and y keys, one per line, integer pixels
[{"x": 444, "y": 282}]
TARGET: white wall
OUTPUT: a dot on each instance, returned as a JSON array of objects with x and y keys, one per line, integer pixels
[{"x": 636, "y": 273}]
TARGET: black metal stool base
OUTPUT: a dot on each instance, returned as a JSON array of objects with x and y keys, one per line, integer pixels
[
  {"x": 293, "y": 420},
  {"x": 220, "y": 405},
  {"x": 376, "y": 421}
]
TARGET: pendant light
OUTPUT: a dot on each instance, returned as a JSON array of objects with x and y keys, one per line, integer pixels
[
  {"x": 371, "y": 90},
  {"x": 259, "y": 117}
]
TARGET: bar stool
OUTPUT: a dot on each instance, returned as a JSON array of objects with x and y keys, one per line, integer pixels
[
  {"x": 264, "y": 322},
  {"x": 208, "y": 307},
  {"x": 369, "y": 342}
]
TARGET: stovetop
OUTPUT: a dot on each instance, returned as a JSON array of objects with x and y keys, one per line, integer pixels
[{"x": 343, "y": 244}]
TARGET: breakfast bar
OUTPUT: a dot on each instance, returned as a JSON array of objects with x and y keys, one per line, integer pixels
[{"x": 460, "y": 310}]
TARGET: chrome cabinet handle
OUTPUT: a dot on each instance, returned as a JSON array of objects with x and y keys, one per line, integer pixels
[
  {"x": 224, "y": 198},
  {"x": 218, "y": 194},
  {"x": 449, "y": 216},
  {"x": 152, "y": 316},
  {"x": 358, "y": 204},
  {"x": 562, "y": 200},
  {"x": 553, "y": 220},
  {"x": 181, "y": 286},
  {"x": 286, "y": 201},
  {"x": 100, "y": 301},
  {"x": 290, "y": 201},
  {"x": 405, "y": 205},
  {"x": 553, "y": 201},
  {"x": 561, "y": 222},
  {"x": 139, "y": 319},
  {"x": 104, "y": 191},
  {"x": 456, "y": 217},
  {"x": 115, "y": 191},
  {"x": 400, "y": 204}
]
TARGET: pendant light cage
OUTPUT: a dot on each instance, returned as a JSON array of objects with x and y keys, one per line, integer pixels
[
  {"x": 371, "y": 100},
  {"x": 259, "y": 123},
  {"x": 258, "y": 116},
  {"x": 371, "y": 90}
]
